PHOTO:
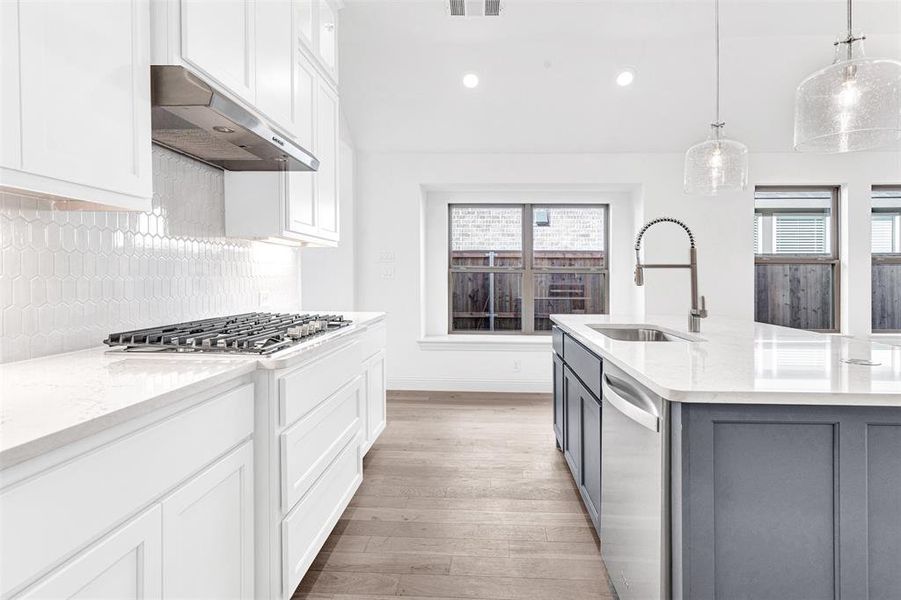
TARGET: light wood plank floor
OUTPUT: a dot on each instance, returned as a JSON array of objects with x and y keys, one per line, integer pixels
[{"x": 463, "y": 496}]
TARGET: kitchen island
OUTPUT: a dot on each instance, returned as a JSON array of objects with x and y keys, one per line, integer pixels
[{"x": 744, "y": 461}]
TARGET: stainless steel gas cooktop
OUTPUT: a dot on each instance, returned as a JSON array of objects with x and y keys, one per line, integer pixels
[{"x": 249, "y": 333}]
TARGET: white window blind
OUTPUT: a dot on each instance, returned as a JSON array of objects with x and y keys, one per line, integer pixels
[
  {"x": 883, "y": 233},
  {"x": 801, "y": 234}
]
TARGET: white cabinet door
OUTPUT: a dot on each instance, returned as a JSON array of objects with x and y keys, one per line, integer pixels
[
  {"x": 76, "y": 99},
  {"x": 328, "y": 36},
  {"x": 275, "y": 62},
  {"x": 301, "y": 187},
  {"x": 376, "y": 410},
  {"x": 303, "y": 20},
  {"x": 125, "y": 564},
  {"x": 217, "y": 36},
  {"x": 327, "y": 153},
  {"x": 304, "y": 97},
  {"x": 208, "y": 532},
  {"x": 9, "y": 92}
]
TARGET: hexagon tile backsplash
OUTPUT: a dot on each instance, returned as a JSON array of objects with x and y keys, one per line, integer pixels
[{"x": 69, "y": 278}]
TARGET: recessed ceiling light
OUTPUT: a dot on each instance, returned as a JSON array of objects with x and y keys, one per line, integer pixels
[
  {"x": 625, "y": 78},
  {"x": 470, "y": 80}
]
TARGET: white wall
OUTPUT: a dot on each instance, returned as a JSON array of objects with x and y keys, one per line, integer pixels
[{"x": 391, "y": 272}]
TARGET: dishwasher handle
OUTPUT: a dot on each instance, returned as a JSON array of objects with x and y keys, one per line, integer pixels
[{"x": 646, "y": 416}]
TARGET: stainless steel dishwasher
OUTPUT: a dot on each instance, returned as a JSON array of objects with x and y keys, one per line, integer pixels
[{"x": 635, "y": 487}]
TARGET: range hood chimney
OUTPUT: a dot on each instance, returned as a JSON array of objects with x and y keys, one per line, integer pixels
[{"x": 192, "y": 117}]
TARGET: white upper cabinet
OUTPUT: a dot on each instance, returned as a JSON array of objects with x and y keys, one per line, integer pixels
[
  {"x": 303, "y": 18},
  {"x": 75, "y": 100},
  {"x": 316, "y": 25},
  {"x": 250, "y": 48},
  {"x": 297, "y": 206},
  {"x": 275, "y": 63},
  {"x": 326, "y": 149},
  {"x": 215, "y": 37},
  {"x": 328, "y": 36}
]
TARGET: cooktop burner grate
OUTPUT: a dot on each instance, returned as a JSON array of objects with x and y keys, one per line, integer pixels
[{"x": 249, "y": 333}]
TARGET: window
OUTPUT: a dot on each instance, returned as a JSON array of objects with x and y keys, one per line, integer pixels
[
  {"x": 513, "y": 265},
  {"x": 796, "y": 257},
  {"x": 885, "y": 226}
]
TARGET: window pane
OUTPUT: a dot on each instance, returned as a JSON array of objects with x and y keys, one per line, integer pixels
[
  {"x": 571, "y": 236},
  {"x": 886, "y": 273},
  {"x": 486, "y": 301},
  {"x": 794, "y": 295},
  {"x": 795, "y": 222},
  {"x": 486, "y": 236},
  {"x": 567, "y": 293},
  {"x": 886, "y": 222},
  {"x": 886, "y": 296}
]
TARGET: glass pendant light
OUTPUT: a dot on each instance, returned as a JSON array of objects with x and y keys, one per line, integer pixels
[
  {"x": 718, "y": 163},
  {"x": 853, "y": 104}
]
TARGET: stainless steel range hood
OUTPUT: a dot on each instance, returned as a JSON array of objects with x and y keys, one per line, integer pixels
[{"x": 192, "y": 117}]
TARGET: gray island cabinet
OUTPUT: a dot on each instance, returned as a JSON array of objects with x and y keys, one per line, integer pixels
[
  {"x": 757, "y": 500},
  {"x": 786, "y": 501}
]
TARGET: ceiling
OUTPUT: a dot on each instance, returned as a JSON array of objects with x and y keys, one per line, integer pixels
[{"x": 548, "y": 69}]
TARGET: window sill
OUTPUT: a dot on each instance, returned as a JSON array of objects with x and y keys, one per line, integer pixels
[{"x": 496, "y": 343}]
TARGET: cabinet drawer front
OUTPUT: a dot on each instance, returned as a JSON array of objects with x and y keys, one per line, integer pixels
[
  {"x": 557, "y": 340},
  {"x": 304, "y": 389},
  {"x": 310, "y": 445},
  {"x": 375, "y": 338},
  {"x": 584, "y": 364},
  {"x": 48, "y": 517},
  {"x": 305, "y": 530}
]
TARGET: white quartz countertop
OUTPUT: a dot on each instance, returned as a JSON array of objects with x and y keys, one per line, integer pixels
[
  {"x": 742, "y": 362},
  {"x": 46, "y": 403}
]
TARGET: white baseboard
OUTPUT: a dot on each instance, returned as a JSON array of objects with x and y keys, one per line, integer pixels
[{"x": 458, "y": 384}]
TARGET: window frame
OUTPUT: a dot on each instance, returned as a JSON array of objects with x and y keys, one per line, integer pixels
[
  {"x": 833, "y": 258},
  {"x": 882, "y": 258},
  {"x": 527, "y": 269}
]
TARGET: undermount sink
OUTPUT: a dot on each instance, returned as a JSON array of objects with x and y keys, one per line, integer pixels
[{"x": 640, "y": 333}]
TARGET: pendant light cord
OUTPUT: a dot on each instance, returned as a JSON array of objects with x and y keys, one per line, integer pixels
[
  {"x": 716, "y": 12},
  {"x": 850, "y": 39},
  {"x": 850, "y": 30}
]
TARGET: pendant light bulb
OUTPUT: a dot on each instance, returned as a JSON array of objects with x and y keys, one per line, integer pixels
[
  {"x": 717, "y": 164},
  {"x": 853, "y": 104}
]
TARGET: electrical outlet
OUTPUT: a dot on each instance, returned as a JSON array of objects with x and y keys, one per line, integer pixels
[
  {"x": 386, "y": 257},
  {"x": 517, "y": 366},
  {"x": 387, "y": 272},
  {"x": 264, "y": 299}
]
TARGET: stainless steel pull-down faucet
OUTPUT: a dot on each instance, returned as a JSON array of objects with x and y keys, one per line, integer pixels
[{"x": 697, "y": 312}]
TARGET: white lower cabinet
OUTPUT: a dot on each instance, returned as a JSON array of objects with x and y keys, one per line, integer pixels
[
  {"x": 125, "y": 564},
  {"x": 315, "y": 421},
  {"x": 208, "y": 532},
  {"x": 309, "y": 524},
  {"x": 376, "y": 417},
  {"x": 69, "y": 524}
]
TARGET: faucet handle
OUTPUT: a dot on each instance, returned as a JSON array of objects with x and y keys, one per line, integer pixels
[{"x": 703, "y": 312}]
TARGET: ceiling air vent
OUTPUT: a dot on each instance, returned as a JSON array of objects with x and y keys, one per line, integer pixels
[{"x": 474, "y": 8}]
